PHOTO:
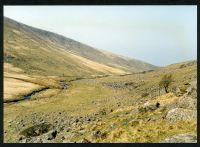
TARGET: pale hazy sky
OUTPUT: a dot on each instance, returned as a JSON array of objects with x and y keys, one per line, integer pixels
[{"x": 160, "y": 35}]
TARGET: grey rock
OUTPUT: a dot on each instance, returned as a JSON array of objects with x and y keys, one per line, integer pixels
[
  {"x": 192, "y": 89},
  {"x": 36, "y": 130},
  {"x": 51, "y": 135},
  {"x": 84, "y": 140},
  {"x": 82, "y": 131},
  {"x": 149, "y": 107},
  {"x": 187, "y": 103},
  {"x": 45, "y": 141},
  {"x": 67, "y": 141},
  {"x": 189, "y": 99},
  {"x": 23, "y": 141},
  {"x": 36, "y": 140},
  {"x": 181, "y": 138},
  {"x": 180, "y": 114},
  {"x": 68, "y": 136},
  {"x": 68, "y": 129},
  {"x": 26, "y": 140}
]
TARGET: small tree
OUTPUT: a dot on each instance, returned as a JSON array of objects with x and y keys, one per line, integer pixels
[{"x": 166, "y": 81}]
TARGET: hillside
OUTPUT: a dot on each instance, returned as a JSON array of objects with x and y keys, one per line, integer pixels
[
  {"x": 57, "y": 90},
  {"x": 128, "y": 108},
  {"x": 41, "y": 52}
]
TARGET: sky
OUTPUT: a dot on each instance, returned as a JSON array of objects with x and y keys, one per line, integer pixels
[{"x": 160, "y": 35}]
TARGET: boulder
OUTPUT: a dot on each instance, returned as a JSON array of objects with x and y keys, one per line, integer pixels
[
  {"x": 180, "y": 114},
  {"x": 51, "y": 135},
  {"x": 187, "y": 103},
  {"x": 84, "y": 140},
  {"x": 192, "y": 90},
  {"x": 181, "y": 138},
  {"x": 67, "y": 141},
  {"x": 82, "y": 132},
  {"x": 36, "y": 130},
  {"x": 189, "y": 99},
  {"x": 149, "y": 107}
]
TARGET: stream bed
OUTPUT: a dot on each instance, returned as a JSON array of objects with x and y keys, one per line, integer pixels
[{"x": 28, "y": 96}]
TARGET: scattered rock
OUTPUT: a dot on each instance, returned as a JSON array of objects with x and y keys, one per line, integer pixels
[{"x": 102, "y": 112}]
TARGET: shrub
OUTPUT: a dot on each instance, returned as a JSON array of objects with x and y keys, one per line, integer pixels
[{"x": 166, "y": 81}]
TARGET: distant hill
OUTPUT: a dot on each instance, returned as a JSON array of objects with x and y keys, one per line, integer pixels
[{"x": 38, "y": 51}]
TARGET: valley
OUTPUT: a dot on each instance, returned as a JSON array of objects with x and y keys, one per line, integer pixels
[
  {"x": 110, "y": 105},
  {"x": 57, "y": 90}
]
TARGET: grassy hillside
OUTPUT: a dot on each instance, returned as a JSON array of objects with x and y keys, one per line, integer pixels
[
  {"x": 103, "y": 109},
  {"x": 41, "y": 52},
  {"x": 57, "y": 90}
]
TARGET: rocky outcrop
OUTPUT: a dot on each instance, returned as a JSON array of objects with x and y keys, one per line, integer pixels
[
  {"x": 188, "y": 64},
  {"x": 123, "y": 85},
  {"x": 180, "y": 114},
  {"x": 189, "y": 99},
  {"x": 36, "y": 130},
  {"x": 185, "y": 109},
  {"x": 46, "y": 127},
  {"x": 187, "y": 103}
]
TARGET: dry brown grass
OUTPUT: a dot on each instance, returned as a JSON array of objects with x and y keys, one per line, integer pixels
[
  {"x": 13, "y": 88},
  {"x": 165, "y": 99},
  {"x": 10, "y": 68},
  {"x": 97, "y": 66}
]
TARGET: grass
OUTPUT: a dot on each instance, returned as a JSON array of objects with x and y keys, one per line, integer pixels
[
  {"x": 153, "y": 131},
  {"x": 15, "y": 89},
  {"x": 86, "y": 96},
  {"x": 150, "y": 132},
  {"x": 44, "y": 53}
]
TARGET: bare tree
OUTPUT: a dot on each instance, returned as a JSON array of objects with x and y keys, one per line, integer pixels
[{"x": 166, "y": 81}]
